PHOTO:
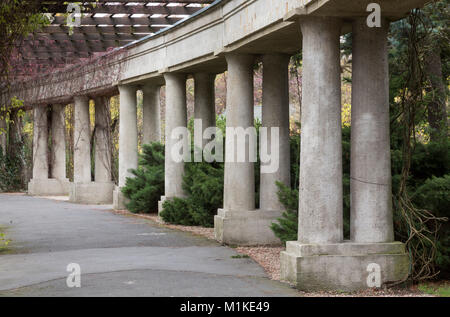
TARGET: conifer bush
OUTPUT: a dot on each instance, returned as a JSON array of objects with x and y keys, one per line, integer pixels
[{"x": 147, "y": 186}]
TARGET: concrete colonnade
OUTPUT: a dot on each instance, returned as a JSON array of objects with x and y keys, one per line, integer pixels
[{"x": 320, "y": 258}]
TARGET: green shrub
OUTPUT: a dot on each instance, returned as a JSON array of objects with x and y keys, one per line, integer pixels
[
  {"x": 10, "y": 173},
  {"x": 434, "y": 195},
  {"x": 203, "y": 184},
  {"x": 287, "y": 227},
  {"x": 147, "y": 186}
]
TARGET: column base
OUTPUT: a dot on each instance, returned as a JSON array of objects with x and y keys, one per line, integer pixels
[
  {"x": 94, "y": 193},
  {"x": 49, "y": 187},
  {"x": 246, "y": 227},
  {"x": 160, "y": 204},
  {"x": 119, "y": 200},
  {"x": 342, "y": 266}
]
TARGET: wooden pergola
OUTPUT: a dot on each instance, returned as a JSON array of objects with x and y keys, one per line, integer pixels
[{"x": 104, "y": 25}]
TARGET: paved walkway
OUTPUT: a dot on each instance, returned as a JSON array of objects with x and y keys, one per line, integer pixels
[{"x": 118, "y": 255}]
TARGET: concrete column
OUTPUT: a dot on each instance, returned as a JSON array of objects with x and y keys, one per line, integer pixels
[
  {"x": 58, "y": 143},
  {"x": 371, "y": 193},
  {"x": 3, "y": 130},
  {"x": 128, "y": 135},
  {"x": 151, "y": 114},
  {"x": 40, "y": 144},
  {"x": 205, "y": 103},
  {"x": 101, "y": 190},
  {"x": 275, "y": 114},
  {"x": 239, "y": 178},
  {"x": 238, "y": 222},
  {"x": 102, "y": 140},
  {"x": 41, "y": 184},
  {"x": 320, "y": 201},
  {"x": 128, "y": 141},
  {"x": 82, "y": 141},
  {"x": 176, "y": 116},
  {"x": 320, "y": 259}
]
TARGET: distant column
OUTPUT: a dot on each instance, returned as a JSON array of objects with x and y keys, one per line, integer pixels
[
  {"x": 3, "y": 131},
  {"x": 82, "y": 141},
  {"x": 128, "y": 134},
  {"x": 204, "y": 104},
  {"x": 40, "y": 144},
  {"x": 275, "y": 114},
  {"x": 151, "y": 114},
  {"x": 102, "y": 140},
  {"x": 58, "y": 143}
]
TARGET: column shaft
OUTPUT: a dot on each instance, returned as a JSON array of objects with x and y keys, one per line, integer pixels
[
  {"x": 102, "y": 140},
  {"x": 151, "y": 115},
  {"x": 205, "y": 104},
  {"x": 3, "y": 131},
  {"x": 239, "y": 182},
  {"x": 82, "y": 141},
  {"x": 371, "y": 197},
  {"x": 128, "y": 134},
  {"x": 176, "y": 116},
  {"x": 275, "y": 114},
  {"x": 40, "y": 143},
  {"x": 58, "y": 142},
  {"x": 320, "y": 194}
]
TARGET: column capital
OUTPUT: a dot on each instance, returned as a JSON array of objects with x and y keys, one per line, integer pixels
[
  {"x": 243, "y": 59},
  {"x": 174, "y": 76},
  {"x": 80, "y": 98},
  {"x": 126, "y": 88}
]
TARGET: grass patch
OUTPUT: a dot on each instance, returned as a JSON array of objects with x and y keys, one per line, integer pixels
[
  {"x": 4, "y": 242},
  {"x": 441, "y": 290}
]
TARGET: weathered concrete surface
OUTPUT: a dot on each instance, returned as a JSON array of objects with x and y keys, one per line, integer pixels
[
  {"x": 246, "y": 227},
  {"x": 320, "y": 193},
  {"x": 119, "y": 256},
  {"x": 342, "y": 266},
  {"x": 49, "y": 187},
  {"x": 93, "y": 193},
  {"x": 119, "y": 199},
  {"x": 370, "y": 182}
]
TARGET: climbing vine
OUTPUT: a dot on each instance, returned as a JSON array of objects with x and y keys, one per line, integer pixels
[{"x": 420, "y": 225}]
